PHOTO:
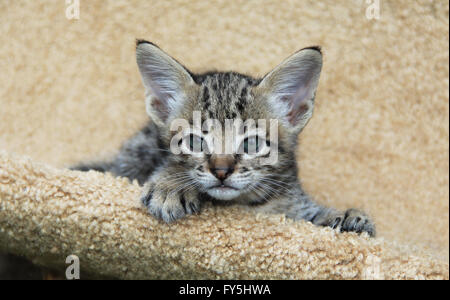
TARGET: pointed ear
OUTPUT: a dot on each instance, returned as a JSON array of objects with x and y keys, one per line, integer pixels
[
  {"x": 166, "y": 81},
  {"x": 291, "y": 87}
]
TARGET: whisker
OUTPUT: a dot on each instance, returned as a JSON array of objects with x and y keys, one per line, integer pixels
[
  {"x": 277, "y": 184},
  {"x": 271, "y": 190},
  {"x": 274, "y": 177},
  {"x": 260, "y": 190},
  {"x": 159, "y": 149}
]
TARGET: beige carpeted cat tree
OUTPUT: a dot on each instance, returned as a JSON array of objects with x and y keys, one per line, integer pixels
[
  {"x": 70, "y": 91},
  {"x": 48, "y": 214}
]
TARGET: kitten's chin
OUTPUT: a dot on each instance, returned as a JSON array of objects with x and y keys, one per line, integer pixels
[{"x": 223, "y": 193}]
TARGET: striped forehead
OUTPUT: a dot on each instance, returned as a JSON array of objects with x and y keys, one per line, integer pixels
[{"x": 225, "y": 95}]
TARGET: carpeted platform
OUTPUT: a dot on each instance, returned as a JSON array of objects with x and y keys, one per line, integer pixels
[{"x": 379, "y": 140}]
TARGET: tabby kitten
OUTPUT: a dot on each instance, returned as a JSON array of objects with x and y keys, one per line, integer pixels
[{"x": 176, "y": 184}]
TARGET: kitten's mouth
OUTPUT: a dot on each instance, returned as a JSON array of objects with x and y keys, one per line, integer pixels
[
  {"x": 224, "y": 187},
  {"x": 223, "y": 192}
]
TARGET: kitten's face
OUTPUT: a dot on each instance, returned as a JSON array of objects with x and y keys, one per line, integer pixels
[
  {"x": 244, "y": 172},
  {"x": 286, "y": 94}
]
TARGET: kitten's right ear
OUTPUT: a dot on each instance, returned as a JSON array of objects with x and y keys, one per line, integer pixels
[
  {"x": 290, "y": 88},
  {"x": 165, "y": 80}
]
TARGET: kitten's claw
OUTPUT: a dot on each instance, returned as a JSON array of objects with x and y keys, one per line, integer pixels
[
  {"x": 352, "y": 220},
  {"x": 169, "y": 205},
  {"x": 357, "y": 221}
]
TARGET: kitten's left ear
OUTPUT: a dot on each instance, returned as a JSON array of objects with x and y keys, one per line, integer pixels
[
  {"x": 291, "y": 87},
  {"x": 166, "y": 82}
]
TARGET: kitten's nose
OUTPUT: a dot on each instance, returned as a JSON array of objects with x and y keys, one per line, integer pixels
[
  {"x": 221, "y": 166},
  {"x": 222, "y": 173}
]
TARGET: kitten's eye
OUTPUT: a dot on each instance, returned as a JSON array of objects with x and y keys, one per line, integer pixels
[
  {"x": 196, "y": 143},
  {"x": 253, "y": 144}
]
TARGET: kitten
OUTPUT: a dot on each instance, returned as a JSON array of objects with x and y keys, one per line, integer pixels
[{"x": 177, "y": 184}]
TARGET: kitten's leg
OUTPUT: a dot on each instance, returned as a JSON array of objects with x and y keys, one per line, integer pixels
[
  {"x": 299, "y": 206},
  {"x": 168, "y": 197}
]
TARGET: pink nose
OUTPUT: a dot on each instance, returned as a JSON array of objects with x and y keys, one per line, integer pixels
[
  {"x": 222, "y": 166},
  {"x": 222, "y": 172}
]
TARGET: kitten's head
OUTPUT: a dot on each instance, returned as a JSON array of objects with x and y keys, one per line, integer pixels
[{"x": 285, "y": 94}]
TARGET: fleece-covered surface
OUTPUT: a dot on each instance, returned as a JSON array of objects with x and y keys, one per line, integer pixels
[
  {"x": 70, "y": 90},
  {"x": 48, "y": 214}
]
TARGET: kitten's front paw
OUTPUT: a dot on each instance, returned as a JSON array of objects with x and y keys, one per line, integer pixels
[
  {"x": 169, "y": 205},
  {"x": 357, "y": 221},
  {"x": 352, "y": 220}
]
